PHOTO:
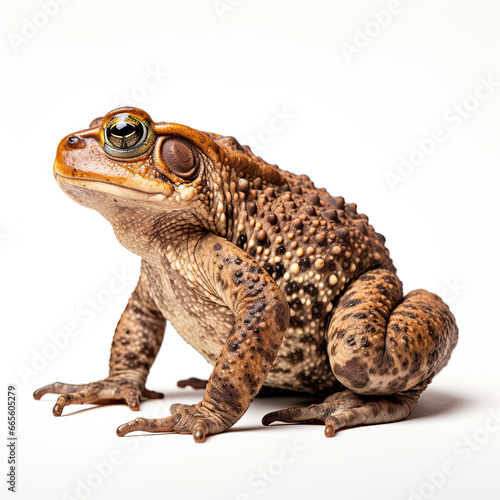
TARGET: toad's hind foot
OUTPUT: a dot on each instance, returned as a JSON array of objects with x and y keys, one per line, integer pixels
[{"x": 348, "y": 409}]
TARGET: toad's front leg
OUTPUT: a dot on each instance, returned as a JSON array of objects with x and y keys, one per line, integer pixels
[
  {"x": 261, "y": 319},
  {"x": 136, "y": 342}
]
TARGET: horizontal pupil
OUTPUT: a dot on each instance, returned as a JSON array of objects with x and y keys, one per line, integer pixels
[{"x": 123, "y": 129}]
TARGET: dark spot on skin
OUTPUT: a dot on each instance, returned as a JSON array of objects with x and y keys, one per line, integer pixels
[
  {"x": 217, "y": 246},
  {"x": 296, "y": 356},
  {"x": 304, "y": 263},
  {"x": 369, "y": 328},
  {"x": 361, "y": 226},
  {"x": 226, "y": 392},
  {"x": 366, "y": 277},
  {"x": 360, "y": 315},
  {"x": 351, "y": 341},
  {"x": 147, "y": 350},
  {"x": 353, "y": 303},
  {"x": 296, "y": 304},
  {"x": 311, "y": 289},
  {"x": 268, "y": 268},
  {"x": 237, "y": 278},
  {"x": 340, "y": 334},
  {"x": 317, "y": 309},
  {"x": 331, "y": 264},
  {"x": 281, "y": 250},
  {"x": 330, "y": 214},
  {"x": 237, "y": 261},
  {"x": 296, "y": 321},
  {"x": 255, "y": 270},
  {"x": 354, "y": 371},
  {"x": 257, "y": 307},
  {"x": 241, "y": 241},
  {"x": 279, "y": 270},
  {"x": 220, "y": 266},
  {"x": 309, "y": 211},
  {"x": 272, "y": 219},
  {"x": 255, "y": 289},
  {"x": 233, "y": 345},
  {"x": 405, "y": 314},
  {"x": 341, "y": 233},
  {"x": 251, "y": 208},
  {"x": 365, "y": 342},
  {"x": 292, "y": 287},
  {"x": 314, "y": 199}
]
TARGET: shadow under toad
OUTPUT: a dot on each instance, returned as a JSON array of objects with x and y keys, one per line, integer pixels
[{"x": 436, "y": 402}]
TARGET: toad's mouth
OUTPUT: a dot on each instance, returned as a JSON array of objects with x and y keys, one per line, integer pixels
[{"x": 112, "y": 189}]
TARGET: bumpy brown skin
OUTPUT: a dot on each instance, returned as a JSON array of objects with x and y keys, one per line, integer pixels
[{"x": 271, "y": 279}]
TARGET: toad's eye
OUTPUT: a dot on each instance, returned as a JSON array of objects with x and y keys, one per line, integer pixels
[{"x": 125, "y": 136}]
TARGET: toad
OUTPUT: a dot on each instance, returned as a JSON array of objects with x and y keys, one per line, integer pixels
[{"x": 273, "y": 280}]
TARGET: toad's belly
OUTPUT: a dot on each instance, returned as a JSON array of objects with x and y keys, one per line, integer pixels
[
  {"x": 301, "y": 364},
  {"x": 302, "y": 360}
]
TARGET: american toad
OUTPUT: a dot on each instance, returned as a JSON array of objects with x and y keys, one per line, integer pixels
[{"x": 270, "y": 278}]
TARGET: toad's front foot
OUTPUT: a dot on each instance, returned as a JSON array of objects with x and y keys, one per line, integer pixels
[
  {"x": 112, "y": 388},
  {"x": 185, "y": 419},
  {"x": 348, "y": 409}
]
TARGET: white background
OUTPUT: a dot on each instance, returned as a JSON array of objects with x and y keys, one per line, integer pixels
[{"x": 349, "y": 120}]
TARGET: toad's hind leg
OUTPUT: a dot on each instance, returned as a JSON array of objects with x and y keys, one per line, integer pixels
[{"x": 384, "y": 348}]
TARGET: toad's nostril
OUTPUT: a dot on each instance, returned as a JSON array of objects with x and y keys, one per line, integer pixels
[{"x": 75, "y": 142}]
